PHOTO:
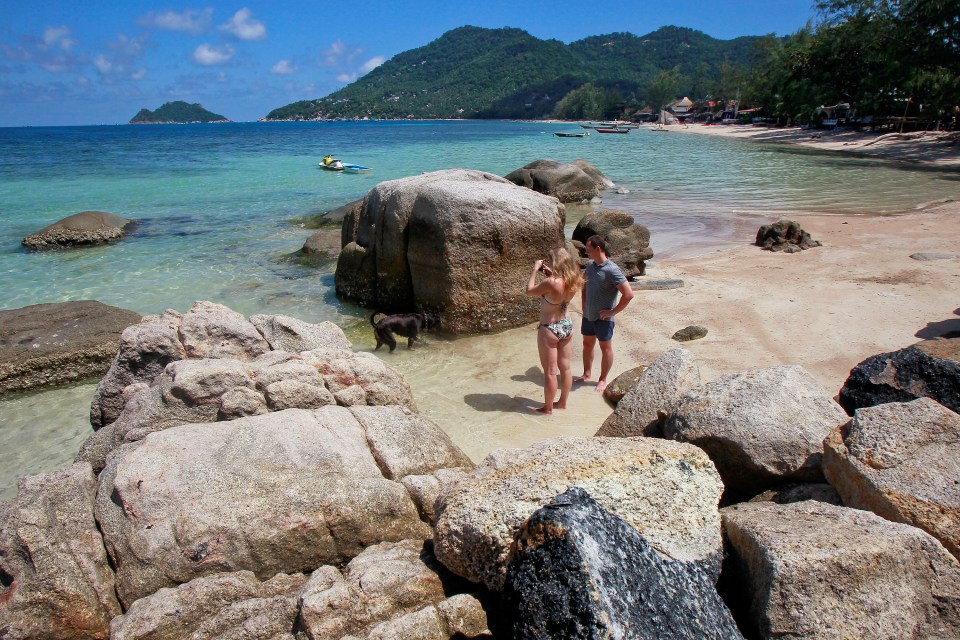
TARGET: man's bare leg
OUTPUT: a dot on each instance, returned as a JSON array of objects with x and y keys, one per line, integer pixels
[
  {"x": 606, "y": 363},
  {"x": 589, "y": 342}
]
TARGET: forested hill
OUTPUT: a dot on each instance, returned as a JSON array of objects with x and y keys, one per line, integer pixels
[
  {"x": 471, "y": 72},
  {"x": 177, "y": 112}
]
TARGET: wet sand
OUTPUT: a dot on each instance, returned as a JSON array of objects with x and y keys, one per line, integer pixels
[
  {"x": 826, "y": 309},
  {"x": 931, "y": 149}
]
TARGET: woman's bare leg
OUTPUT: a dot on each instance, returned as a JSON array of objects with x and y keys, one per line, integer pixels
[
  {"x": 564, "y": 354},
  {"x": 546, "y": 345}
]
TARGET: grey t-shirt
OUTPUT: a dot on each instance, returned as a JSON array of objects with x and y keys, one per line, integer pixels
[{"x": 601, "y": 288}]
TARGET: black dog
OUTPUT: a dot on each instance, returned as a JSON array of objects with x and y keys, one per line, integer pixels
[{"x": 407, "y": 325}]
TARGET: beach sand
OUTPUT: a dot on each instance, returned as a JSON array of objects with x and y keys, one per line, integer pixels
[
  {"x": 825, "y": 309},
  {"x": 931, "y": 149}
]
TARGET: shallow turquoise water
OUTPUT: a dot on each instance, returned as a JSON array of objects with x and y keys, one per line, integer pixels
[{"x": 218, "y": 205}]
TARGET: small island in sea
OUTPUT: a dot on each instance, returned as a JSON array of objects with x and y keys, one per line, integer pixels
[{"x": 178, "y": 112}]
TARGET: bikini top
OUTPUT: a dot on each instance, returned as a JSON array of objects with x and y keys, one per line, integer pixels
[{"x": 562, "y": 305}]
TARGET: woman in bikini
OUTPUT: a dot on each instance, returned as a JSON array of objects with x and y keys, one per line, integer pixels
[{"x": 555, "y": 291}]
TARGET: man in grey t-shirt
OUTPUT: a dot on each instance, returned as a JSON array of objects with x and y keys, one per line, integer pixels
[{"x": 598, "y": 299}]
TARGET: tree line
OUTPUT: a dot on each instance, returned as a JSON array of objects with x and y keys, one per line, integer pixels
[{"x": 889, "y": 60}]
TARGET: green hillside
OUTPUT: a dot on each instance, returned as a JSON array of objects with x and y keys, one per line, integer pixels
[
  {"x": 471, "y": 72},
  {"x": 177, "y": 112}
]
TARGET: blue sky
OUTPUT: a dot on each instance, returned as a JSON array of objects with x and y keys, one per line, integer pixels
[{"x": 70, "y": 62}]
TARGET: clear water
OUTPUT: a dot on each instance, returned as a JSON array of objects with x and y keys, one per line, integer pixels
[{"x": 221, "y": 210}]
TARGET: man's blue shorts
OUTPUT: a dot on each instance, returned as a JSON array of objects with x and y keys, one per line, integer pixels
[{"x": 602, "y": 329}]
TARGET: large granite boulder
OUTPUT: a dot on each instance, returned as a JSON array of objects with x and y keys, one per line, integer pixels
[
  {"x": 901, "y": 461},
  {"x": 284, "y": 492},
  {"x": 814, "y": 570},
  {"x": 55, "y": 581},
  {"x": 207, "y": 330},
  {"x": 456, "y": 244},
  {"x": 391, "y": 590},
  {"x": 786, "y": 236},
  {"x": 628, "y": 242},
  {"x": 52, "y": 344},
  {"x": 578, "y": 571},
  {"x": 927, "y": 369},
  {"x": 212, "y": 390},
  {"x": 81, "y": 229},
  {"x": 667, "y": 491},
  {"x": 222, "y": 605},
  {"x": 761, "y": 427},
  {"x": 643, "y": 408},
  {"x": 575, "y": 181}
]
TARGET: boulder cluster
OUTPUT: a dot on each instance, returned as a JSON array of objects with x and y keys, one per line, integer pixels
[
  {"x": 458, "y": 244},
  {"x": 256, "y": 478}
]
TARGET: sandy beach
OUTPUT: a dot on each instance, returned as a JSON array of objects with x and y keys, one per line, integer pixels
[{"x": 825, "y": 309}]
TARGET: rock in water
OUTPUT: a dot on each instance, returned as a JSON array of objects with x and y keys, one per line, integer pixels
[
  {"x": 927, "y": 369},
  {"x": 51, "y": 344},
  {"x": 578, "y": 571},
  {"x": 448, "y": 243},
  {"x": 567, "y": 182},
  {"x": 80, "y": 229}
]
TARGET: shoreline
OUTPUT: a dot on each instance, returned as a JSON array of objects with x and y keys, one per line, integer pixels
[
  {"x": 920, "y": 148},
  {"x": 826, "y": 309}
]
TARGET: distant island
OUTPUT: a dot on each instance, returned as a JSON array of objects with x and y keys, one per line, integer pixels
[{"x": 177, "y": 112}]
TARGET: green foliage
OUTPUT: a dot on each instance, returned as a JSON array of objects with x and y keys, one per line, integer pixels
[
  {"x": 472, "y": 72},
  {"x": 176, "y": 112},
  {"x": 884, "y": 57}
]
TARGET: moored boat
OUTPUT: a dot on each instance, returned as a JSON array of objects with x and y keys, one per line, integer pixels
[
  {"x": 569, "y": 134},
  {"x": 611, "y": 130}
]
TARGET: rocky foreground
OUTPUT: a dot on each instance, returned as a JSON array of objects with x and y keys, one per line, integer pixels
[{"x": 257, "y": 478}]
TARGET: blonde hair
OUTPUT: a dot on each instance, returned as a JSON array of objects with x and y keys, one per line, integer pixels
[{"x": 563, "y": 266}]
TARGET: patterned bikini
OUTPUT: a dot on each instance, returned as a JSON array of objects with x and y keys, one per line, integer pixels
[{"x": 563, "y": 327}]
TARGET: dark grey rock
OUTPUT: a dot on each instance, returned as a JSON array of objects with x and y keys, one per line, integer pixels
[
  {"x": 628, "y": 243},
  {"x": 785, "y": 235},
  {"x": 45, "y": 345},
  {"x": 656, "y": 284},
  {"x": 693, "y": 332},
  {"x": 789, "y": 493},
  {"x": 80, "y": 229},
  {"x": 568, "y": 182},
  {"x": 622, "y": 383},
  {"x": 577, "y": 571},
  {"x": 927, "y": 369}
]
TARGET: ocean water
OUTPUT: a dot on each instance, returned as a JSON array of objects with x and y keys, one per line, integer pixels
[{"x": 221, "y": 210}]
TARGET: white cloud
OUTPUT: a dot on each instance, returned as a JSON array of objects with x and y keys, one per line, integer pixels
[
  {"x": 283, "y": 68},
  {"x": 371, "y": 64},
  {"x": 209, "y": 55},
  {"x": 337, "y": 53},
  {"x": 194, "y": 21},
  {"x": 346, "y": 77},
  {"x": 103, "y": 64},
  {"x": 58, "y": 37},
  {"x": 244, "y": 27}
]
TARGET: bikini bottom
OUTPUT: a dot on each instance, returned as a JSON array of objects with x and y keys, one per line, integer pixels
[{"x": 561, "y": 328}]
